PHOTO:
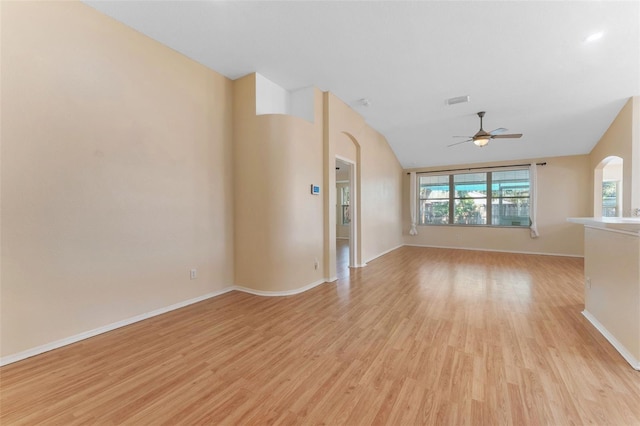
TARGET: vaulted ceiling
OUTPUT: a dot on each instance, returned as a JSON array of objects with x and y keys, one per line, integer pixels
[{"x": 527, "y": 63}]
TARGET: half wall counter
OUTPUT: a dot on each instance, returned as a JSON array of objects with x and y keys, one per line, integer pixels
[{"x": 612, "y": 281}]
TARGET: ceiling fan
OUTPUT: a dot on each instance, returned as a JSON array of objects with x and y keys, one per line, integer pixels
[{"x": 482, "y": 138}]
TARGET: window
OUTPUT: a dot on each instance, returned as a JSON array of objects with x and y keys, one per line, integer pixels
[
  {"x": 434, "y": 200},
  {"x": 499, "y": 198},
  {"x": 344, "y": 203},
  {"x": 470, "y": 201},
  {"x": 510, "y": 198},
  {"x": 610, "y": 198}
]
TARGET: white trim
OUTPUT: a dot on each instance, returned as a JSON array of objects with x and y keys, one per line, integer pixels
[
  {"x": 109, "y": 327},
  {"x": 498, "y": 251},
  {"x": 617, "y": 231},
  {"x": 533, "y": 200},
  {"x": 614, "y": 342},
  {"x": 9, "y": 359},
  {"x": 383, "y": 253},
  {"x": 413, "y": 203},
  {"x": 279, "y": 293},
  {"x": 362, "y": 265},
  {"x": 354, "y": 249},
  {"x": 332, "y": 279}
]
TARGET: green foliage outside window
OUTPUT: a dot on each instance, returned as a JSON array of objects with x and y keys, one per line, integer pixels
[{"x": 499, "y": 198}]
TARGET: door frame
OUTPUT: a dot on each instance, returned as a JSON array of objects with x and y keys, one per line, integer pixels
[{"x": 353, "y": 204}]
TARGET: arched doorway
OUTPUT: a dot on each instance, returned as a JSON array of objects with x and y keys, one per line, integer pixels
[
  {"x": 345, "y": 149},
  {"x": 607, "y": 188},
  {"x": 344, "y": 216}
]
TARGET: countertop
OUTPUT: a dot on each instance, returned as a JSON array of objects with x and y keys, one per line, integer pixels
[{"x": 626, "y": 224}]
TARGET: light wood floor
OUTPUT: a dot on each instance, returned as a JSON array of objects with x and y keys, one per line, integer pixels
[
  {"x": 342, "y": 259},
  {"x": 420, "y": 335}
]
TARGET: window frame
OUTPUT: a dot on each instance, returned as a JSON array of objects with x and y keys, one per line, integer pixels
[
  {"x": 489, "y": 198},
  {"x": 486, "y": 198},
  {"x": 440, "y": 199}
]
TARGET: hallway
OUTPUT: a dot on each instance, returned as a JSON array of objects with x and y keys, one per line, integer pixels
[{"x": 342, "y": 258}]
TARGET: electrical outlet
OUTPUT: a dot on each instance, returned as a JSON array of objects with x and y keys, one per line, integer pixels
[
  {"x": 316, "y": 264},
  {"x": 194, "y": 274},
  {"x": 588, "y": 282}
]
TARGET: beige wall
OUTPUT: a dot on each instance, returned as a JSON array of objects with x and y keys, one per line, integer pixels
[
  {"x": 278, "y": 222},
  {"x": 125, "y": 165},
  {"x": 345, "y": 147},
  {"x": 563, "y": 191},
  {"x": 612, "y": 259},
  {"x": 612, "y": 266},
  {"x": 381, "y": 196},
  {"x": 622, "y": 139},
  {"x": 116, "y": 174}
]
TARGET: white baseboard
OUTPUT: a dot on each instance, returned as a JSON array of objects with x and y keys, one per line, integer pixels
[
  {"x": 383, "y": 253},
  {"x": 280, "y": 293},
  {"x": 497, "y": 251},
  {"x": 614, "y": 342},
  {"x": 109, "y": 327}
]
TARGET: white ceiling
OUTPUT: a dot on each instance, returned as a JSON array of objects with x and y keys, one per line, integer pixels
[{"x": 526, "y": 63}]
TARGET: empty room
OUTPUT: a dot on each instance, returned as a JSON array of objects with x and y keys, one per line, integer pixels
[{"x": 230, "y": 212}]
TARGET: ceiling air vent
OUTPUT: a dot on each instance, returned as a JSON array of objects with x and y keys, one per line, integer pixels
[{"x": 458, "y": 100}]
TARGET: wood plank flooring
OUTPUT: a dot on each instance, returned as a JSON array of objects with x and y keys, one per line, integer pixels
[
  {"x": 342, "y": 259},
  {"x": 419, "y": 336}
]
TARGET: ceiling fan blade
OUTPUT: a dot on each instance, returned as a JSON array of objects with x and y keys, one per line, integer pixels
[
  {"x": 511, "y": 136},
  {"x": 458, "y": 143},
  {"x": 461, "y": 136},
  {"x": 498, "y": 131}
]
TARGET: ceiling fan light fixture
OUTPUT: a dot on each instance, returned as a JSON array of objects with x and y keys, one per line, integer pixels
[
  {"x": 481, "y": 141},
  {"x": 482, "y": 138}
]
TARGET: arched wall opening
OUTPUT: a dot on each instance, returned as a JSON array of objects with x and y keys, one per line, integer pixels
[
  {"x": 345, "y": 148},
  {"x": 352, "y": 156}
]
